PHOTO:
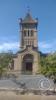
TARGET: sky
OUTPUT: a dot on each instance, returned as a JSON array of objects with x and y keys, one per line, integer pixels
[{"x": 10, "y": 13}]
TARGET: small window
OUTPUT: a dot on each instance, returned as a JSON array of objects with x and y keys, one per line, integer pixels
[
  {"x": 28, "y": 32},
  {"x": 24, "y": 33},
  {"x": 32, "y": 32}
]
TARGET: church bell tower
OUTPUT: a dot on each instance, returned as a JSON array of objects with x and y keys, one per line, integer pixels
[{"x": 28, "y": 28}]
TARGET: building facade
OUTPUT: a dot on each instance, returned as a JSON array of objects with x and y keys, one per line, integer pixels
[{"x": 26, "y": 60}]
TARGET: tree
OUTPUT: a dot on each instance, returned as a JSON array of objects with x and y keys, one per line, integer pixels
[
  {"x": 48, "y": 65},
  {"x": 5, "y": 59}
]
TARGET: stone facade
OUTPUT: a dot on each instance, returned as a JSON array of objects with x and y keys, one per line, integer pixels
[{"x": 26, "y": 60}]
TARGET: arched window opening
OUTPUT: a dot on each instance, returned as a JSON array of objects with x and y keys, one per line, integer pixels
[
  {"x": 24, "y": 33},
  {"x": 28, "y": 32},
  {"x": 32, "y": 33}
]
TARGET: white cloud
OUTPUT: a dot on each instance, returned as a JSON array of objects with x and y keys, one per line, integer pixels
[
  {"x": 9, "y": 46},
  {"x": 47, "y": 46},
  {"x": 44, "y": 45}
]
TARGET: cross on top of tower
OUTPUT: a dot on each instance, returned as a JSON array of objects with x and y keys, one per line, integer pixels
[
  {"x": 28, "y": 9},
  {"x": 28, "y": 18}
]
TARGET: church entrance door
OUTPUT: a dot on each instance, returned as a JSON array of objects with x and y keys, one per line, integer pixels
[{"x": 27, "y": 65}]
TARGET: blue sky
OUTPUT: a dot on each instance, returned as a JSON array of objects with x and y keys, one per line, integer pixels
[{"x": 12, "y": 10}]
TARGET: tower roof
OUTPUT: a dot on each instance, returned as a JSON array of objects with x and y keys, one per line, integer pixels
[{"x": 28, "y": 19}]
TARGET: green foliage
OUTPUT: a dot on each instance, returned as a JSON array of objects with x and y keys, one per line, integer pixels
[
  {"x": 48, "y": 65},
  {"x": 5, "y": 59}
]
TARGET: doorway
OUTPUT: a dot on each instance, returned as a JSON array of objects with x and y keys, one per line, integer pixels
[{"x": 27, "y": 65}]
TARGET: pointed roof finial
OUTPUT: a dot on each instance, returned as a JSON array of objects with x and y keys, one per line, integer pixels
[{"x": 28, "y": 18}]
